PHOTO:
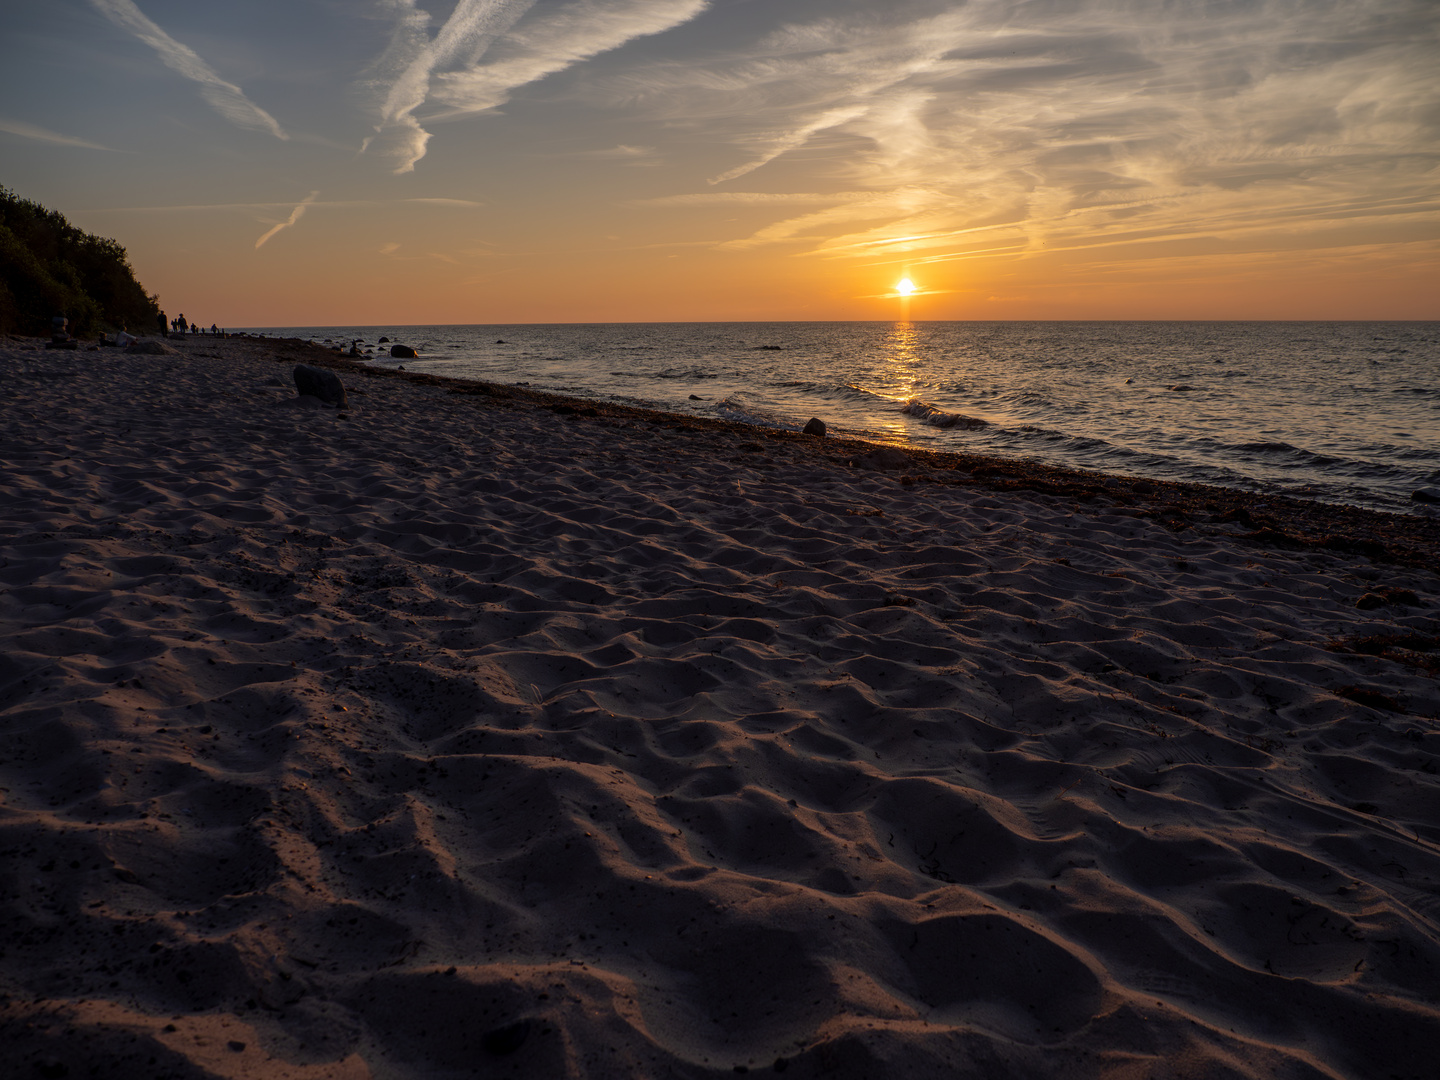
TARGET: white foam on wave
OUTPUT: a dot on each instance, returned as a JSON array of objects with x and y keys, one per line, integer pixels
[{"x": 937, "y": 417}]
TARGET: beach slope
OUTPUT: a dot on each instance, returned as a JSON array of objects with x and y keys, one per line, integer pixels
[{"x": 466, "y": 732}]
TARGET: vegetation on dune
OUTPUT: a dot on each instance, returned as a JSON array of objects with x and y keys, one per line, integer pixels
[{"x": 48, "y": 267}]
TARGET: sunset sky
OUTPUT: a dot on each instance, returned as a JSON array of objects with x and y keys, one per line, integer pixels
[{"x": 359, "y": 162}]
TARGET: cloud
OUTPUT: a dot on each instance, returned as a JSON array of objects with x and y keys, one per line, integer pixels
[
  {"x": 295, "y": 215},
  {"x": 991, "y": 126},
  {"x": 455, "y": 69},
  {"x": 714, "y": 198},
  {"x": 783, "y": 141},
  {"x": 225, "y": 98},
  {"x": 635, "y": 156},
  {"x": 39, "y": 134},
  {"x": 462, "y": 203},
  {"x": 264, "y": 207},
  {"x": 463, "y": 38}
]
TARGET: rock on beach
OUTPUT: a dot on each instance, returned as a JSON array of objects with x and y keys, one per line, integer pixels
[
  {"x": 149, "y": 347},
  {"x": 320, "y": 383},
  {"x": 885, "y": 457}
]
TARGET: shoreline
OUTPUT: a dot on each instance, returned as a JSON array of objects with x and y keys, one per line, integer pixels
[
  {"x": 1275, "y": 520},
  {"x": 476, "y": 730},
  {"x": 1349, "y": 440}
]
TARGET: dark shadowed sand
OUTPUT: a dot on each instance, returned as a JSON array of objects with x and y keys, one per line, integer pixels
[{"x": 471, "y": 732}]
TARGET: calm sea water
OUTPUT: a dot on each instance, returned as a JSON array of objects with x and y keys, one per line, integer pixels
[{"x": 1339, "y": 412}]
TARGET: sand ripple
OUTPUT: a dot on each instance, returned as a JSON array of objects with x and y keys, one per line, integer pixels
[{"x": 449, "y": 735}]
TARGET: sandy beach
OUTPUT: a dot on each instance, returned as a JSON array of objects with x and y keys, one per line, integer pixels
[{"x": 469, "y": 732}]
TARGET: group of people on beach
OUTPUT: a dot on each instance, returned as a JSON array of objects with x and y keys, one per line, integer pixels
[{"x": 179, "y": 325}]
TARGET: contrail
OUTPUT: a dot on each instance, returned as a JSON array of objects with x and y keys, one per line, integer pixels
[
  {"x": 295, "y": 215},
  {"x": 39, "y": 134},
  {"x": 225, "y": 98},
  {"x": 471, "y": 27}
]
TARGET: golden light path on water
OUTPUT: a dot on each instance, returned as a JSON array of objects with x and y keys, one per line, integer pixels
[{"x": 902, "y": 363}]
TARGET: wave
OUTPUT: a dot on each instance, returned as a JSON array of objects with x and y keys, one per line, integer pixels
[
  {"x": 745, "y": 412},
  {"x": 1298, "y": 454},
  {"x": 937, "y": 417},
  {"x": 667, "y": 373},
  {"x": 1267, "y": 447}
]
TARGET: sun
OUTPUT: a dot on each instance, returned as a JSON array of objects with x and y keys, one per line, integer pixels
[{"x": 904, "y": 286}]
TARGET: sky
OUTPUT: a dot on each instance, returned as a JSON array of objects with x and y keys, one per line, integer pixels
[{"x": 390, "y": 162}]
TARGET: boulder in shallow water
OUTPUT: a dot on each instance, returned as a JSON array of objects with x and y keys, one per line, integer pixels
[
  {"x": 402, "y": 352},
  {"x": 1426, "y": 495},
  {"x": 320, "y": 383},
  {"x": 815, "y": 426}
]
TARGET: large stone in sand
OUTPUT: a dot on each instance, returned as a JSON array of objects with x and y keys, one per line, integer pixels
[
  {"x": 402, "y": 352},
  {"x": 886, "y": 457},
  {"x": 816, "y": 426},
  {"x": 320, "y": 383},
  {"x": 149, "y": 347}
]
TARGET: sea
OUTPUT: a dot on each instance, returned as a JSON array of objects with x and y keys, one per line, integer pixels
[{"x": 1338, "y": 412}]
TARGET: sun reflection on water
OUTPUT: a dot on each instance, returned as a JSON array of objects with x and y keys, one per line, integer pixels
[
  {"x": 902, "y": 372},
  {"x": 901, "y": 343}
]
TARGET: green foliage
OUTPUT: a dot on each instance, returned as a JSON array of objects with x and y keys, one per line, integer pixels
[{"x": 48, "y": 267}]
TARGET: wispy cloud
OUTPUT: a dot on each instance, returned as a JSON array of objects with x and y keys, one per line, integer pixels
[
  {"x": 765, "y": 198},
  {"x": 488, "y": 48},
  {"x": 464, "y": 204},
  {"x": 266, "y": 207},
  {"x": 993, "y": 126},
  {"x": 39, "y": 134},
  {"x": 416, "y": 57},
  {"x": 625, "y": 154},
  {"x": 295, "y": 215},
  {"x": 225, "y": 98},
  {"x": 784, "y": 140}
]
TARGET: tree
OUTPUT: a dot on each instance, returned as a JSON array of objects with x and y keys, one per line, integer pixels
[{"x": 48, "y": 267}]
